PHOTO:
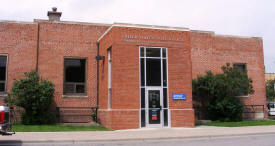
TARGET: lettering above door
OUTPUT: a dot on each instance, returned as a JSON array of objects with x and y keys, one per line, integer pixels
[{"x": 159, "y": 38}]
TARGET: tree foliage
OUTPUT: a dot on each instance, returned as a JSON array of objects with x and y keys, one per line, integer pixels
[
  {"x": 35, "y": 95},
  {"x": 218, "y": 93},
  {"x": 270, "y": 90}
]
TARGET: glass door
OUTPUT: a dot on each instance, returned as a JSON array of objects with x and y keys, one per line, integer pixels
[{"x": 154, "y": 107}]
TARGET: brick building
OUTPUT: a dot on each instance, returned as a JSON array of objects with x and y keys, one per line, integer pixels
[
  {"x": 137, "y": 75},
  {"x": 269, "y": 76}
]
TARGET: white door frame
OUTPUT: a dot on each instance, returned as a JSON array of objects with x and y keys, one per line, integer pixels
[{"x": 147, "y": 107}]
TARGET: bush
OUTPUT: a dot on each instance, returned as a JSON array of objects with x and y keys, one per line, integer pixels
[
  {"x": 270, "y": 90},
  {"x": 226, "y": 109},
  {"x": 35, "y": 95},
  {"x": 219, "y": 93}
]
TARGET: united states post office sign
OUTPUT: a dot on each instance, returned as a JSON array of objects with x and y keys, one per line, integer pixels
[{"x": 178, "y": 96}]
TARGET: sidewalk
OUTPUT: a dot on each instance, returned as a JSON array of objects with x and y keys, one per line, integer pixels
[{"x": 137, "y": 134}]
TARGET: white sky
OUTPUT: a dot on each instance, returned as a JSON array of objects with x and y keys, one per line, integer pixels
[{"x": 231, "y": 17}]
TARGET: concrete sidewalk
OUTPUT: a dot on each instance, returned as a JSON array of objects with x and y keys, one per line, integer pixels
[{"x": 137, "y": 134}]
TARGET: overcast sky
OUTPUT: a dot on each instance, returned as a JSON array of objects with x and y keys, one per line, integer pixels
[{"x": 231, "y": 17}]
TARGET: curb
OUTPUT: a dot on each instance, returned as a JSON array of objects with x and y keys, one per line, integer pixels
[{"x": 9, "y": 142}]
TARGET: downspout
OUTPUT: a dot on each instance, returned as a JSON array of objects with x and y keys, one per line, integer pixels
[
  {"x": 37, "y": 47},
  {"x": 97, "y": 86}
]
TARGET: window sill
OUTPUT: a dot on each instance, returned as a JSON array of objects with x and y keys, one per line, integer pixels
[
  {"x": 2, "y": 95},
  {"x": 74, "y": 96},
  {"x": 245, "y": 96}
]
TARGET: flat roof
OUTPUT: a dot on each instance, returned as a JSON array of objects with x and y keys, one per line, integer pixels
[
  {"x": 116, "y": 24},
  {"x": 20, "y": 22},
  {"x": 150, "y": 26},
  {"x": 72, "y": 22}
]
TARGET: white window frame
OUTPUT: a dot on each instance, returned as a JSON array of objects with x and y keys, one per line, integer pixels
[
  {"x": 109, "y": 52},
  {"x": 85, "y": 83},
  {"x": 6, "y": 79},
  {"x": 145, "y": 86}
]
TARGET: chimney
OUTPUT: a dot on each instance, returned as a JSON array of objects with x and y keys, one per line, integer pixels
[{"x": 54, "y": 15}]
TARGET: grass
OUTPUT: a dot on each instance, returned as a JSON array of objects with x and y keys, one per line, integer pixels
[
  {"x": 55, "y": 128},
  {"x": 242, "y": 123}
]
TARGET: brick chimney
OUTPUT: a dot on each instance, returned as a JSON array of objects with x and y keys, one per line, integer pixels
[{"x": 54, "y": 15}]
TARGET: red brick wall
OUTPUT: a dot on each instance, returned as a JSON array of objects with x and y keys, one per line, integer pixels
[
  {"x": 119, "y": 119},
  {"x": 125, "y": 72},
  {"x": 18, "y": 41},
  {"x": 125, "y": 119},
  {"x": 196, "y": 53},
  {"x": 105, "y": 43},
  {"x": 182, "y": 118},
  {"x": 59, "y": 40},
  {"x": 105, "y": 118},
  {"x": 210, "y": 52}
]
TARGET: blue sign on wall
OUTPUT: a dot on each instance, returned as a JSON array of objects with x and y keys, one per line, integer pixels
[{"x": 179, "y": 96}]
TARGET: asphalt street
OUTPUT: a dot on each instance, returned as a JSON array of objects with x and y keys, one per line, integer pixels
[{"x": 247, "y": 140}]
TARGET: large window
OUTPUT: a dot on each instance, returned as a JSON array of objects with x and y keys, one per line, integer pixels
[
  {"x": 3, "y": 73},
  {"x": 109, "y": 78},
  {"x": 153, "y": 73},
  {"x": 75, "y": 76},
  {"x": 242, "y": 68}
]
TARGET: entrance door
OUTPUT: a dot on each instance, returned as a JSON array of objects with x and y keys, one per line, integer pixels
[
  {"x": 154, "y": 103},
  {"x": 154, "y": 109}
]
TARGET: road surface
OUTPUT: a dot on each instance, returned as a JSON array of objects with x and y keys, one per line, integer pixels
[{"x": 248, "y": 140}]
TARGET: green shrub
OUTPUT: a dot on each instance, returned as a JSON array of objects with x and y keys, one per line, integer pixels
[
  {"x": 35, "y": 95},
  {"x": 226, "y": 109},
  {"x": 218, "y": 93},
  {"x": 270, "y": 90}
]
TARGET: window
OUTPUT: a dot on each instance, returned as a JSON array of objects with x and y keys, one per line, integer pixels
[
  {"x": 75, "y": 76},
  {"x": 3, "y": 73},
  {"x": 109, "y": 77},
  {"x": 153, "y": 67},
  {"x": 242, "y": 68},
  {"x": 153, "y": 73}
]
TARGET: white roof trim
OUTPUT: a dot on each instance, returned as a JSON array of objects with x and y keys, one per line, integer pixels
[
  {"x": 105, "y": 33},
  {"x": 72, "y": 22},
  {"x": 224, "y": 35},
  {"x": 18, "y": 22},
  {"x": 236, "y": 36},
  {"x": 150, "y": 26},
  {"x": 142, "y": 26}
]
